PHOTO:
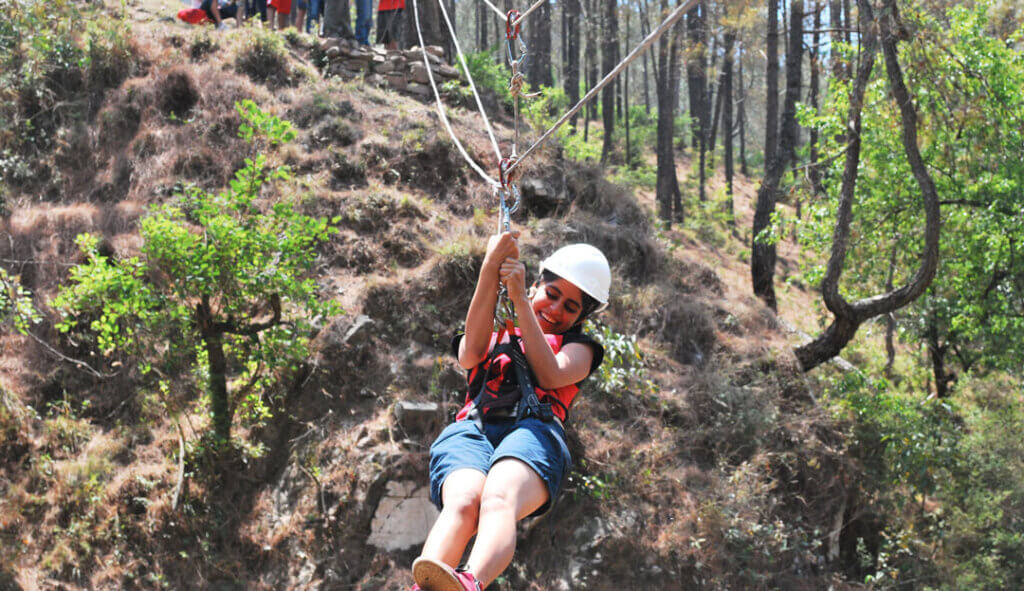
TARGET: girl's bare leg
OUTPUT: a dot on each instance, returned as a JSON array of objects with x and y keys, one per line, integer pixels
[
  {"x": 511, "y": 492},
  {"x": 461, "y": 493}
]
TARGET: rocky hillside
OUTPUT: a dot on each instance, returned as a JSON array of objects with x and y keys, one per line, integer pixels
[{"x": 703, "y": 464}]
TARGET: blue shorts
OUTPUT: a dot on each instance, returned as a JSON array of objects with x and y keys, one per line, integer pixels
[{"x": 538, "y": 444}]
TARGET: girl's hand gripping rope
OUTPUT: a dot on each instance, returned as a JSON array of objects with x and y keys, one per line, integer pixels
[
  {"x": 513, "y": 276},
  {"x": 500, "y": 247}
]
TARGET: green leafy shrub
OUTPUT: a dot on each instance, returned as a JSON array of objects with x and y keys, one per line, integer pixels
[
  {"x": 623, "y": 368},
  {"x": 16, "y": 308},
  {"x": 223, "y": 287},
  {"x": 490, "y": 76}
]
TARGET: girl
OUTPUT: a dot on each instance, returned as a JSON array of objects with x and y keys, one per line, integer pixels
[{"x": 505, "y": 457}]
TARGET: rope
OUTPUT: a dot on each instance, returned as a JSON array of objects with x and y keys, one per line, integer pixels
[
  {"x": 440, "y": 106},
  {"x": 515, "y": 23},
  {"x": 500, "y": 12},
  {"x": 529, "y": 10},
  {"x": 472, "y": 85},
  {"x": 651, "y": 38}
]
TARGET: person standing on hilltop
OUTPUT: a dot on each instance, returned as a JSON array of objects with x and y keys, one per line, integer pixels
[
  {"x": 505, "y": 457},
  {"x": 389, "y": 22},
  {"x": 278, "y": 13}
]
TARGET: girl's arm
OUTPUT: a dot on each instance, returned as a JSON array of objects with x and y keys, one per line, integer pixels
[
  {"x": 570, "y": 365},
  {"x": 480, "y": 316}
]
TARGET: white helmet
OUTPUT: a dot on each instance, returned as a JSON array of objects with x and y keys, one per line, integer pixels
[{"x": 585, "y": 267}]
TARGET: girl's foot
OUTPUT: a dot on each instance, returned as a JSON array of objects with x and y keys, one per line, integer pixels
[{"x": 433, "y": 575}]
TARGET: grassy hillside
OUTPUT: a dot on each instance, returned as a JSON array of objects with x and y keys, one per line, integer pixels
[{"x": 704, "y": 458}]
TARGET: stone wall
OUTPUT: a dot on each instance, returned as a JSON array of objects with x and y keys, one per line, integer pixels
[{"x": 400, "y": 70}]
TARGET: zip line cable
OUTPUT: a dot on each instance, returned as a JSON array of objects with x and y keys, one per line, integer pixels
[
  {"x": 507, "y": 165},
  {"x": 500, "y": 12},
  {"x": 472, "y": 85},
  {"x": 644, "y": 45},
  {"x": 529, "y": 10},
  {"x": 440, "y": 106}
]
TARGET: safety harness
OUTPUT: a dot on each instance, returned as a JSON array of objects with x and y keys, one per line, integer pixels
[{"x": 505, "y": 394}]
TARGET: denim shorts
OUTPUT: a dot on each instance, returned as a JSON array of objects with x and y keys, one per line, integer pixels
[{"x": 540, "y": 445}]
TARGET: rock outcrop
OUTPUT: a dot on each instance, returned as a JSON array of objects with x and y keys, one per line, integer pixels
[{"x": 401, "y": 70}]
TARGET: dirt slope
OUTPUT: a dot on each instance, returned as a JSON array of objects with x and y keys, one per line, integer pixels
[{"x": 714, "y": 469}]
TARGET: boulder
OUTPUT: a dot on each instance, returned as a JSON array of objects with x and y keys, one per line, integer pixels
[
  {"x": 415, "y": 54},
  {"x": 384, "y": 67},
  {"x": 418, "y": 73},
  {"x": 356, "y": 65},
  {"x": 330, "y": 42},
  {"x": 435, "y": 50},
  {"x": 346, "y": 331},
  {"x": 339, "y": 69},
  {"x": 418, "y": 418},
  {"x": 447, "y": 71},
  {"x": 420, "y": 90},
  {"x": 403, "y": 517},
  {"x": 538, "y": 198},
  {"x": 397, "y": 81}
]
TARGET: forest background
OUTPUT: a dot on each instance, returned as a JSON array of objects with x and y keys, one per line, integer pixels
[{"x": 815, "y": 210}]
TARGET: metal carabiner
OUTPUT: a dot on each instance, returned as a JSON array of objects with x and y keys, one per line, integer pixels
[{"x": 512, "y": 32}]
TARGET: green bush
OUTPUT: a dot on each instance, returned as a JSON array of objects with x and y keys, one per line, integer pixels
[
  {"x": 487, "y": 74},
  {"x": 948, "y": 480},
  {"x": 224, "y": 287},
  {"x": 16, "y": 309},
  {"x": 623, "y": 369}
]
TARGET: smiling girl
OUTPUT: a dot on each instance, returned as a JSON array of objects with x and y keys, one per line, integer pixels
[{"x": 505, "y": 456}]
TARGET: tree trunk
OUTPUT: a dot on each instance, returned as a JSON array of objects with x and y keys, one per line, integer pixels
[
  {"x": 666, "y": 185},
  {"x": 591, "y": 58},
  {"x": 611, "y": 41},
  {"x": 674, "y": 77},
  {"x": 771, "y": 81},
  {"x": 813, "y": 172},
  {"x": 695, "y": 74},
  {"x": 937, "y": 351},
  {"x": 835, "y": 21},
  {"x": 848, "y": 317},
  {"x": 762, "y": 260},
  {"x": 539, "y": 61},
  {"x": 890, "y": 318},
  {"x": 625, "y": 95},
  {"x": 715, "y": 118},
  {"x": 727, "y": 127},
  {"x": 571, "y": 11},
  {"x": 789, "y": 137},
  {"x": 741, "y": 105},
  {"x": 647, "y": 91},
  {"x": 482, "y": 16},
  {"x": 213, "y": 342}
]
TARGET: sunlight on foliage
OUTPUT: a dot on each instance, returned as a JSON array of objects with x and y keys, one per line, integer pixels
[{"x": 224, "y": 279}]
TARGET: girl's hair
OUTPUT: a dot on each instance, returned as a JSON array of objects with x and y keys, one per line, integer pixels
[{"x": 589, "y": 304}]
